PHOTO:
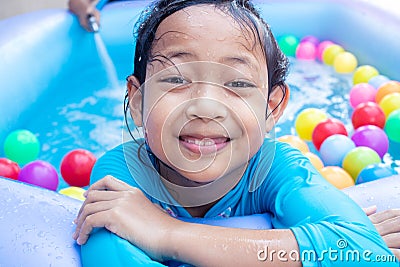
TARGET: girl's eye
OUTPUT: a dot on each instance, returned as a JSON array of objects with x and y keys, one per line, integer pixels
[
  {"x": 240, "y": 84},
  {"x": 175, "y": 80}
]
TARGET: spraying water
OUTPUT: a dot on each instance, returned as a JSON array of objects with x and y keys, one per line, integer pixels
[{"x": 106, "y": 60}]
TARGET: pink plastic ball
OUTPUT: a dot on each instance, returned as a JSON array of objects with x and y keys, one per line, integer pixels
[
  {"x": 321, "y": 47},
  {"x": 311, "y": 39},
  {"x": 306, "y": 51},
  {"x": 39, "y": 173},
  {"x": 362, "y": 93}
]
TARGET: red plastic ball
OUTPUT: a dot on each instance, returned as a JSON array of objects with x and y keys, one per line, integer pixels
[
  {"x": 9, "y": 168},
  {"x": 369, "y": 113},
  {"x": 76, "y": 167},
  {"x": 326, "y": 128}
]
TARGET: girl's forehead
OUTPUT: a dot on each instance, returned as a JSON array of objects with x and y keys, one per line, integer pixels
[{"x": 208, "y": 22}]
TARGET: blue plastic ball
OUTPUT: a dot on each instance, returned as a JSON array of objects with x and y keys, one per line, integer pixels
[
  {"x": 374, "y": 172},
  {"x": 378, "y": 80},
  {"x": 334, "y": 149}
]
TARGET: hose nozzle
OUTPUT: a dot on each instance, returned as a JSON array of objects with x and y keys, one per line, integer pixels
[{"x": 93, "y": 25}]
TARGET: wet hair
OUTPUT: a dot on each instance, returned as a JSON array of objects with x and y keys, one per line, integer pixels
[{"x": 242, "y": 11}]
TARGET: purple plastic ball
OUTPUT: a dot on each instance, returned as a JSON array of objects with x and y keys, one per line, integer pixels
[
  {"x": 373, "y": 137},
  {"x": 39, "y": 173}
]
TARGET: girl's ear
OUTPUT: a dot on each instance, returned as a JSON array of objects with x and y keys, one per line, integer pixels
[
  {"x": 278, "y": 101},
  {"x": 135, "y": 99}
]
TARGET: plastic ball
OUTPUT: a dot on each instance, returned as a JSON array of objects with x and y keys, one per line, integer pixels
[
  {"x": 74, "y": 192},
  {"x": 9, "y": 169},
  {"x": 315, "y": 160},
  {"x": 335, "y": 148},
  {"x": 39, "y": 173},
  {"x": 392, "y": 126},
  {"x": 306, "y": 51},
  {"x": 76, "y": 167},
  {"x": 378, "y": 81},
  {"x": 21, "y": 146},
  {"x": 364, "y": 73},
  {"x": 373, "y": 137},
  {"x": 311, "y": 39},
  {"x": 385, "y": 89},
  {"x": 374, "y": 172},
  {"x": 330, "y": 52},
  {"x": 390, "y": 103},
  {"x": 337, "y": 177},
  {"x": 295, "y": 142},
  {"x": 358, "y": 158},
  {"x": 345, "y": 62},
  {"x": 288, "y": 45},
  {"x": 321, "y": 47},
  {"x": 368, "y": 113},
  {"x": 361, "y": 93},
  {"x": 307, "y": 120},
  {"x": 326, "y": 128}
]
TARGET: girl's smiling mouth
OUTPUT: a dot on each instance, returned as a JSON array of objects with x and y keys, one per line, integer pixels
[{"x": 204, "y": 144}]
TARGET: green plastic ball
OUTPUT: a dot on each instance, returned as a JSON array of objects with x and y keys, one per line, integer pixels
[
  {"x": 392, "y": 126},
  {"x": 358, "y": 158},
  {"x": 21, "y": 146},
  {"x": 288, "y": 45}
]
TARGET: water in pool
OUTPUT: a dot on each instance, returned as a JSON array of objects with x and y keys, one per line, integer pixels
[{"x": 87, "y": 111}]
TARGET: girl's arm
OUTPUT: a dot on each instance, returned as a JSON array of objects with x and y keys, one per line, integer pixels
[{"x": 125, "y": 211}]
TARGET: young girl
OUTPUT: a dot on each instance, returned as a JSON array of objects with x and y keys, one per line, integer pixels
[{"x": 207, "y": 86}]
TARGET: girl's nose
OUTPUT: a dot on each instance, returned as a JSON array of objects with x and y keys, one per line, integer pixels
[{"x": 207, "y": 104}]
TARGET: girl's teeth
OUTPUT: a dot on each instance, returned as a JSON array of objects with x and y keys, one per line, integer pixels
[{"x": 203, "y": 142}]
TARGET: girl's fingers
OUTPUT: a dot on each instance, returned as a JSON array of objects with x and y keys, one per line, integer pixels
[
  {"x": 389, "y": 226},
  {"x": 392, "y": 240},
  {"x": 384, "y": 215},
  {"x": 396, "y": 252},
  {"x": 97, "y": 195},
  {"x": 89, "y": 210},
  {"x": 99, "y": 219},
  {"x": 370, "y": 210},
  {"x": 110, "y": 183}
]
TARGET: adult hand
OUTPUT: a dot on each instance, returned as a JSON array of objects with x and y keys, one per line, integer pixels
[
  {"x": 387, "y": 223},
  {"x": 125, "y": 211},
  {"x": 84, "y": 8}
]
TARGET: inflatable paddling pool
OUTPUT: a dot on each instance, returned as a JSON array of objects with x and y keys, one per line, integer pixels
[{"x": 40, "y": 51}]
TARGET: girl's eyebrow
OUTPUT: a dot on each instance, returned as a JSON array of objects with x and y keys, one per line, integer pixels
[{"x": 241, "y": 60}]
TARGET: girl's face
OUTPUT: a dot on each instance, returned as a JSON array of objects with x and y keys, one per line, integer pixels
[{"x": 205, "y": 95}]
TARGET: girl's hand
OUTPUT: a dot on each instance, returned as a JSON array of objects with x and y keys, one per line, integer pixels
[
  {"x": 387, "y": 223},
  {"x": 125, "y": 211}
]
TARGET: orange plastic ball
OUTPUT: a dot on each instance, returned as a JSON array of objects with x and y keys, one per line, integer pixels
[
  {"x": 337, "y": 176},
  {"x": 315, "y": 160},
  {"x": 295, "y": 142},
  {"x": 387, "y": 88}
]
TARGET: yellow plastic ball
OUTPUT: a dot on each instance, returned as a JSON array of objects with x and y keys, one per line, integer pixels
[
  {"x": 337, "y": 176},
  {"x": 306, "y": 122},
  {"x": 390, "y": 103},
  {"x": 364, "y": 73},
  {"x": 329, "y": 54},
  {"x": 358, "y": 158},
  {"x": 295, "y": 142},
  {"x": 345, "y": 62},
  {"x": 315, "y": 160},
  {"x": 74, "y": 192}
]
